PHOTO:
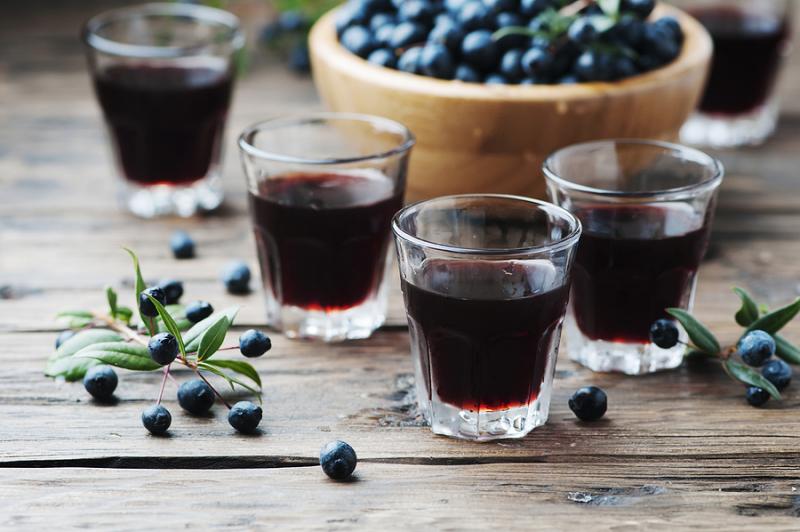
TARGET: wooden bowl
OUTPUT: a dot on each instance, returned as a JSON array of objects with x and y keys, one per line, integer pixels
[{"x": 493, "y": 138}]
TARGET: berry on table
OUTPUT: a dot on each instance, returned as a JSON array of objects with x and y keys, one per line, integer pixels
[
  {"x": 173, "y": 290},
  {"x": 182, "y": 245},
  {"x": 156, "y": 419},
  {"x": 63, "y": 336},
  {"x": 163, "y": 348},
  {"x": 664, "y": 333},
  {"x": 778, "y": 372},
  {"x": 198, "y": 311},
  {"x": 245, "y": 416},
  {"x": 589, "y": 403},
  {"x": 100, "y": 382},
  {"x": 146, "y": 307},
  {"x": 196, "y": 397},
  {"x": 756, "y": 347},
  {"x": 253, "y": 343},
  {"x": 756, "y": 396},
  {"x": 338, "y": 460},
  {"x": 237, "y": 278}
]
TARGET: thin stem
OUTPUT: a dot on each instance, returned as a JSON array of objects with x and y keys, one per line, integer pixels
[
  {"x": 163, "y": 383},
  {"x": 212, "y": 388},
  {"x": 120, "y": 328}
]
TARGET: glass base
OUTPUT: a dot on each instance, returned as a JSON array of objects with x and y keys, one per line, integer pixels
[
  {"x": 628, "y": 358},
  {"x": 722, "y": 131},
  {"x": 351, "y": 324},
  {"x": 172, "y": 200},
  {"x": 516, "y": 422}
]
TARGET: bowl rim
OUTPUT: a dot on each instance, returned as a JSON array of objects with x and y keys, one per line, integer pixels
[{"x": 324, "y": 47}]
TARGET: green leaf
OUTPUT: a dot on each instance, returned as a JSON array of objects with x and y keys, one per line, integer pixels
[
  {"x": 178, "y": 313},
  {"x": 239, "y": 366},
  {"x": 140, "y": 287},
  {"x": 125, "y": 314},
  {"x": 749, "y": 376},
  {"x": 698, "y": 333},
  {"x": 84, "y": 339},
  {"x": 786, "y": 350},
  {"x": 748, "y": 313},
  {"x": 777, "y": 319},
  {"x": 192, "y": 336},
  {"x": 111, "y": 296},
  {"x": 609, "y": 7},
  {"x": 169, "y": 323},
  {"x": 602, "y": 23},
  {"x": 231, "y": 380},
  {"x": 120, "y": 354},
  {"x": 71, "y": 368},
  {"x": 75, "y": 319},
  {"x": 75, "y": 314},
  {"x": 213, "y": 337}
]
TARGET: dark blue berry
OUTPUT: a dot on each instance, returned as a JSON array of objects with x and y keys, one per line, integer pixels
[
  {"x": 495, "y": 79},
  {"x": 511, "y": 65},
  {"x": 624, "y": 67},
  {"x": 100, "y": 382},
  {"x": 236, "y": 277},
  {"x": 352, "y": 14},
  {"x": 505, "y": 20},
  {"x": 628, "y": 31},
  {"x": 196, "y": 397},
  {"x": 659, "y": 42},
  {"x": 253, "y": 343},
  {"x": 467, "y": 73},
  {"x": 383, "y": 57},
  {"x": 146, "y": 307},
  {"x": 537, "y": 62},
  {"x": 533, "y": 8},
  {"x": 436, "y": 61},
  {"x": 592, "y": 65},
  {"x": 383, "y": 35},
  {"x": 182, "y": 245},
  {"x": 569, "y": 79},
  {"x": 380, "y": 20},
  {"x": 583, "y": 31},
  {"x": 664, "y": 333},
  {"x": 358, "y": 40},
  {"x": 640, "y": 8},
  {"x": 671, "y": 26},
  {"x": 418, "y": 11},
  {"x": 173, "y": 290},
  {"x": 480, "y": 51},
  {"x": 447, "y": 34},
  {"x": 475, "y": 16},
  {"x": 245, "y": 416},
  {"x": 498, "y": 6},
  {"x": 407, "y": 34},
  {"x": 589, "y": 403},
  {"x": 163, "y": 348},
  {"x": 409, "y": 61},
  {"x": 338, "y": 460},
  {"x": 592, "y": 9},
  {"x": 156, "y": 419},
  {"x": 63, "y": 336},
  {"x": 756, "y": 396},
  {"x": 778, "y": 372},
  {"x": 454, "y": 6},
  {"x": 198, "y": 311},
  {"x": 299, "y": 58},
  {"x": 756, "y": 347}
]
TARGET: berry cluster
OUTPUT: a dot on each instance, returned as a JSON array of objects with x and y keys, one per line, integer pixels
[
  {"x": 511, "y": 41},
  {"x": 236, "y": 275}
]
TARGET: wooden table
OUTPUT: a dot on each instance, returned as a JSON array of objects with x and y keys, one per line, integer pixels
[{"x": 676, "y": 450}]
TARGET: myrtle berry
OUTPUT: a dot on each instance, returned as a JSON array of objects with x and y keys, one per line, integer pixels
[
  {"x": 198, "y": 311},
  {"x": 756, "y": 347},
  {"x": 513, "y": 40},
  {"x": 196, "y": 397},
  {"x": 533, "y": 8},
  {"x": 756, "y": 396},
  {"x": 593, "y": 65},
  {"x": 237, "y": 278},
  {"x": 436, "y": 61},
  {"x": 358, "y": 40},
  {"x": 163, "y": 348},
  {"x": 664, "y": 333},
  {"x": 511, "y": 65},
  {"x": 498, "y": 6},
  {"x": 473, "y": 15},
  {"x": 156, "y": 419},
  {"x": 454, "y": 6},
  {"x": 448, "y": 34},
  {"x": 383, "y": 35},
  {"x": 245, "y": 416},
  {"x": 380, "y": 20},
  {"x": 629, "y": 31},
  {"x": 100, "y": 382},
  {"x": 583, "y": 31},
  {"x": 146, "y": 307},
  {"x": 409, "y": 61},
  {"x": 495, "y": 79},
  {"x": 338, "y": 460},
  {"x": 640, "y": 8},
  {"x": 419, "y": 11},
  {"x": 292, "y": 21},
  {"x": 658, "y": 41},
  {"x": 778, "y": 372},
  {"x": 407, "y": 34},
  {"x": 173, "y": 290},
  {"x": 589, "y": 403},
  {"x": 671, "y": 26},
  {"x": 537, "y": 62},
  {"x": 182, "y": 245},
  {"x": 63, "y": 336},
  {"x": 480, "y": 51},
  {"x": 383, "y": 57},
  {"x": 253, "y": 343}
]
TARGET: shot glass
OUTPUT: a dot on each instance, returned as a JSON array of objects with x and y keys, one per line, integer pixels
[
  {"x": 323, "y": 189},
  {"x": 163, "y": 74},
  {"x": 486, "y": 281},
  {"x": 751, "y": 37},
  {"x": 646, "y": 209}
]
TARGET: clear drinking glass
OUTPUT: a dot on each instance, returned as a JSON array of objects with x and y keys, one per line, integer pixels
[
  {"x": 646, "y": 209},
  {"x": 163, "y": 74},
  {"x": 323, "y": 189},
  {"x": 486, "y": 282},
  {"x": 751, "y": 38}
]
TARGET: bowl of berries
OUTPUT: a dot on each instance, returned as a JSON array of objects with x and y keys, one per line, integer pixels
[{"x": 491, "y": 87}]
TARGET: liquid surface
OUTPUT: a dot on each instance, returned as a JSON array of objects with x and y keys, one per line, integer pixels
[
  {"x": 166, "y": 123},
  {"x": 322, "y": 238},
  {"x": 631, "y": 264},
  {"x": 486, "y": 330}
]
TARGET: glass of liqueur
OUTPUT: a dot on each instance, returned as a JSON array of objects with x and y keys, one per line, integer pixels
[
  {"x": 323, "y": 189},
  {"x": 751, "y": 38},
  {"x": 163, "y": 74},
  {"x": 646, "y": 209},
  {"x": 486, "y": 282}
]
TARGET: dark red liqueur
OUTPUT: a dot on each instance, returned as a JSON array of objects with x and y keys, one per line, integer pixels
[
  {"x": 485, "y": 334},
  {"x": 632, "y": 263},
  {"x": 747, "y": 54},
  {"x": 322, "y": 238},
  {"x": 166, "y": 123}
]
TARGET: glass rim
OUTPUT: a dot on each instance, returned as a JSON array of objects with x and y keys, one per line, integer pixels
[
  {"x": 564, "y": 242},
  {"x": 247, "y": 137},
  {"x": 698, "y": 156},
  {"x": 201, "y": 13}
]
